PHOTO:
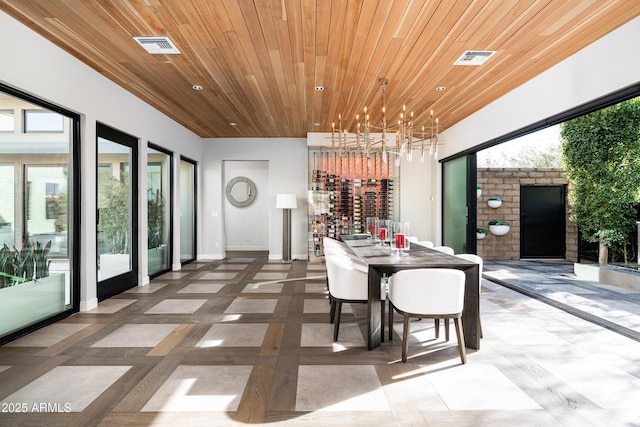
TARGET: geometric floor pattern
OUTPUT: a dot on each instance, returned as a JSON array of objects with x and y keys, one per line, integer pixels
[{"x": 245, "y": 341}]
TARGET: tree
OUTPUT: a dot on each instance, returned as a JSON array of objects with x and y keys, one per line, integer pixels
[
  {"x": 155, "y": 215},
  {"x": 114, "y": 217},
  {"x": 601, "y": 152}
]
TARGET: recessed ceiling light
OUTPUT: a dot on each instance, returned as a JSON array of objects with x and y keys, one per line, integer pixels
[
  {"x": 440, "y": 88},
  {"x": 196, "y": 87},
  {"x": 317, "y": 124},
  {"x": 233, "y": 124},
  {"x": 319, "y": 88}
]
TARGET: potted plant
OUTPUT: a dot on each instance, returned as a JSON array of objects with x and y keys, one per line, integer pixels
[
  {"x": 494, "y": 202},
  {"x": 499, "y": 228},
  {"x": 481, "y": 233},
  {"x": 478, "y": 191}
]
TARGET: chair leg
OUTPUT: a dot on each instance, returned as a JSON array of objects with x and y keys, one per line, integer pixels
[
  {"x": 446, "y": 329},
  {"x": 336, "y": 320},
  {"x": 460, "y": 335},
  {"x": 390, "y": 326},
  {"x": 436, "y": 323},
  {"x": 332, "y": 311},
  {"x": 405, "y": 337},
  {"x": 382, "y": 313}
]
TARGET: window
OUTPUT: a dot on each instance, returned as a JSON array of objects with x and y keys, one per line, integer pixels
[
  {"x": 43, "y": 121},
  {"x": 7, "y": 121},
  {"x": 38, "y": 214}
]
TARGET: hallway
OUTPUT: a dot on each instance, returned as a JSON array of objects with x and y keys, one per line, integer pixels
[{"x": 245, "y": 341}]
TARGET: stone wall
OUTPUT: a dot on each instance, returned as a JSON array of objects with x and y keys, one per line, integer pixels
[{"x": 506, "y": 183}]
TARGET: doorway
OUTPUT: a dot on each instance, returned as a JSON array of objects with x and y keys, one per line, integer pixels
[
  {"x": 542, "y": 213},
  {"x": 246, "y": 225},
  {"x": 117, "y": 211}
]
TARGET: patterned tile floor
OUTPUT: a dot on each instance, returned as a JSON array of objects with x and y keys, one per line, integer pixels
[{"x": 245, "y": 341}]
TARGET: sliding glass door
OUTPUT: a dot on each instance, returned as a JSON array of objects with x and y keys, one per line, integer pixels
[
  {"x": 187, "y": 210},
  {"x": 39, "y": 255},
  {"x": 159, "y": 204},
  {"x": 459, "y": 204},
  {"x": 117, "y": 211}
]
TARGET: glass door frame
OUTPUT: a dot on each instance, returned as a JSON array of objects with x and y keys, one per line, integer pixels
[
  {"x": 115, "y": 285},
  {"x": 470, "y": 197},
  {"x": 195, "y": 212},
  {"x": 170, "y": 209},
  {"x": 74, "y": 190}
]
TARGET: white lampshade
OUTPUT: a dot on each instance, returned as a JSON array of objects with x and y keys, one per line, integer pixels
[{"x": 286, "y": 201}]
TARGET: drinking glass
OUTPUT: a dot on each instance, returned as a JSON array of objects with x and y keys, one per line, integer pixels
[
  {"x": 400, "y": 237},
  {"x": 384, "y": 232},
  {"x": 372, "y": 227}
]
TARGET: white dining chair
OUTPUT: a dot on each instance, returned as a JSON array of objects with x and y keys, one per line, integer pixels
[
  {"x": 478, "y": 260},
  {"x": 444, "y": 249},
  {"x": 425, "y": 243},
  {"x": 431, "y": 293},
  {"x": 349, "y": 282},
  {"x": 335, "y": 246}
]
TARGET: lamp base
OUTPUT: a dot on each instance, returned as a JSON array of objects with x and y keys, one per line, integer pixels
[{"x": 286, "y": 236}]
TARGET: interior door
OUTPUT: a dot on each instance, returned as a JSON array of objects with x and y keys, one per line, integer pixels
[
  {"x": 117, "y": 211},
  {"x": 542, "y": 226}
]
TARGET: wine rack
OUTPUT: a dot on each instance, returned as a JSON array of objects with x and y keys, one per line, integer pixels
[{"x": 344, "y": 192}]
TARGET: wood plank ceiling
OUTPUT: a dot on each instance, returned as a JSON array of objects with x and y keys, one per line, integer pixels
[{"x": 260, "y": 61}]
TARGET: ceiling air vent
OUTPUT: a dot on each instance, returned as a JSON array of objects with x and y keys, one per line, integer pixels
[
  {"x": 157, "y": 45},
  {"x": 474, "y": 57}
]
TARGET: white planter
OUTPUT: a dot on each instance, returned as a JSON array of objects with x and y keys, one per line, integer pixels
[
  {"x": 112, "y": 265},
  {"x": 480, "y": 236},
  {"x": 499, "y": 230},
  {"x": 494, "y": 203},
  {"x": 478, "y": 192},
  {"x": 30, "y": 302}
]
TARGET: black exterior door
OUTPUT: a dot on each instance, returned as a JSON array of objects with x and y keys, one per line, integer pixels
[{"x": 542, "y": 226}]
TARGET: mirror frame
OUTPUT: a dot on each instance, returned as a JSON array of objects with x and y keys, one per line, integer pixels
[{"x": 253, "y": 191}]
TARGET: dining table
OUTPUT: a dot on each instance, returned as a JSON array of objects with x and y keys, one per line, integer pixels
[{"x": 383, "y": 261}]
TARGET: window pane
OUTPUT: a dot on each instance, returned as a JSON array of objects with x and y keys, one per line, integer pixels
[
  {"x": 114, "y": 209},
  {"x": 43, "y": 121},
  {"x": 455, "y": 204},
  {"x": 187, "y": 211},
  {"x": 46, "y": 200},
  {"x": 158, "y": 210},
  {"x": 7, "y": 121},
  {"x": 35, "y": 216}
]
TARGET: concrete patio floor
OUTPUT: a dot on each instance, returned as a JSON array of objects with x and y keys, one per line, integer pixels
[{"x": 554, "y": 282}]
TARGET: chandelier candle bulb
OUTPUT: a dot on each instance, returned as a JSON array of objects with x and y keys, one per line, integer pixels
[{"x": 375, "y": 137}]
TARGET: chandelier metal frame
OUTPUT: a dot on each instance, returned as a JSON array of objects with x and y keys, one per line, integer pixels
[{"x": 371, "y": 139}]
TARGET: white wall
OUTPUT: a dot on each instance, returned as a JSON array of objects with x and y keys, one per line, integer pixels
[
  {"x": 34, "y": 65},
  {"x": 419, "y": 204},
  {"x": 288, "y": 173},
  {"x": 247, "y": 227}
]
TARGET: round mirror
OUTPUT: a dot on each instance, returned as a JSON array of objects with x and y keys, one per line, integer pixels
[{"x": 241, "y": 191}]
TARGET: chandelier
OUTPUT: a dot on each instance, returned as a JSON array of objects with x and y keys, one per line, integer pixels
[{"x": 369, "y": 139}]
